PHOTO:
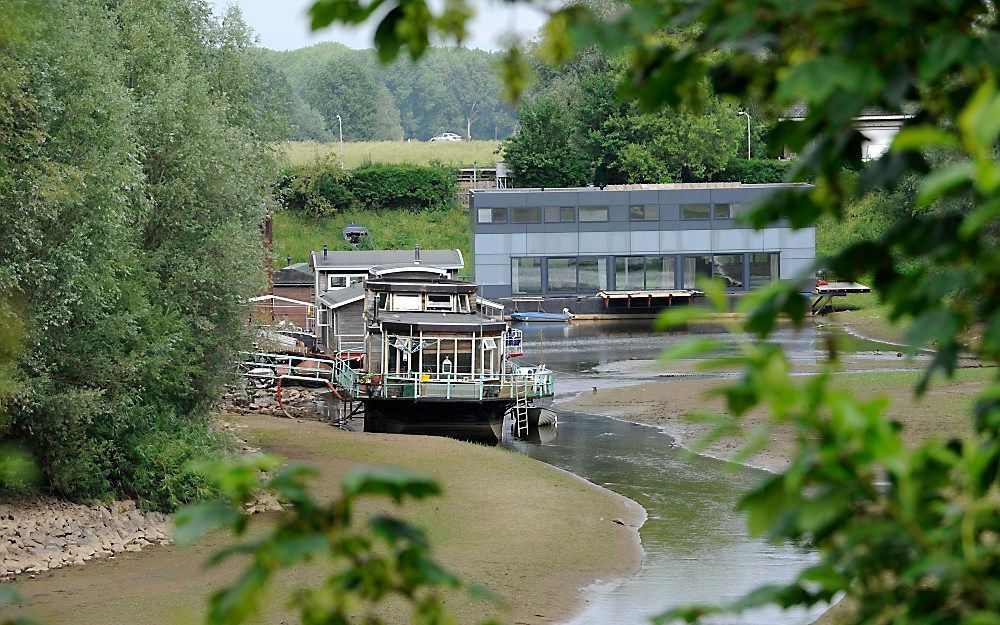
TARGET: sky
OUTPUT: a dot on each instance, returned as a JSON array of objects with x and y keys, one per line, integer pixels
[{"x": 282, "y": 24}]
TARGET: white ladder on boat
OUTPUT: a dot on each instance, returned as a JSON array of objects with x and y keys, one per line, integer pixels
[{"x": 521, "y": 408}]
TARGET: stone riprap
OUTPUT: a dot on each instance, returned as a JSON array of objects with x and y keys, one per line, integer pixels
[
  {"x": 299, "y": 402},
  {"x": 49, "y": 534}
]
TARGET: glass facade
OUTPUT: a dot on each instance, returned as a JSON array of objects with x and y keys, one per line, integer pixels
[
  {"x": 647, "y": 212},
  {"x": 525, "y": 214},
  {"x": 763, "y": 268},
  {"x": 526, "y": 275},
  {"x": 593, "y": 213},
  {"x": 590, "y": 274},
  {"x": 696, "y": 211},
  {"x": 561, "y": 275},
  {"x": 560, "y": 214}
]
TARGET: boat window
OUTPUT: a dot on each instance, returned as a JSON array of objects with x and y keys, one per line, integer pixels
[
  {"x": 439, "y": 302},
  {"x": 340, "y": 281},
  {"x": 382, "y": 302},
  {"x": 405, "y": 302},
  {"x": 463, "y": 303}
]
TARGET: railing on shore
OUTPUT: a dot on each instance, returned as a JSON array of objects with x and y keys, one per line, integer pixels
[{"x": 523, "y": 382}]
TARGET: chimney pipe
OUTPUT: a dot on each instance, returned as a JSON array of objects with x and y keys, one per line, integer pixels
[
  {"x": 288, "y": 260},
  {"x": 324, "y": 251},
  {"x": 416, "y": 254}
]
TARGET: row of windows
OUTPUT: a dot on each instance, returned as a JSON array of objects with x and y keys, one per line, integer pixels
[
  {"x": 569, "y": 214},
  {"x": 589, "y": 274}
]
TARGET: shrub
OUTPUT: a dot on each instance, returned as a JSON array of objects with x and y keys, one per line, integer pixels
[
  {"x": 323, "y": 189},
  {"x": 756, "y": 171}
]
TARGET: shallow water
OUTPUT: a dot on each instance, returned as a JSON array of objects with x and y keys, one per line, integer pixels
[{"x": 697, "y": 549}]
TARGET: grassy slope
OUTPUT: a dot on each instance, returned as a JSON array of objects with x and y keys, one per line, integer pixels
[
  {"x": 296, "y": 235},
  {"x": 460, "y": 154},
  {"x": 529, "y": 532}
]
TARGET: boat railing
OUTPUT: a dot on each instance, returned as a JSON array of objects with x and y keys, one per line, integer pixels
[{"x": 533, "y": 382}]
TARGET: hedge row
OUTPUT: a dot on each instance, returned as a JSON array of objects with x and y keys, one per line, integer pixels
[
  {"x": 756, "y": 171},
  {"x": 325, "y": 189}
]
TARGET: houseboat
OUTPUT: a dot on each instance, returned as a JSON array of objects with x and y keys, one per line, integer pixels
[{"x": 437, "y": 358}]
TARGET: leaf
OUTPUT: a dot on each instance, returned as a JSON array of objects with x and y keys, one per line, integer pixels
[
  {"x": 200, "y": 519},
  {"x": 944, "y": 181},
  {"x": 235, "y": 604},
  {"x": 680, "y": 316},
  {"x": 393, "y": 531},
  {"x": 923, "y": 136},
  {"x": 690, "y": 349},
  {"x": 290, "y": 484},
  {"x": 392, "y": 482}
]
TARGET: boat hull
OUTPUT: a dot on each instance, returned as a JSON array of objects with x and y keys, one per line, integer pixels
[
  {"x": 478, "y": 421},
  {"x": 540, "y": 317}
]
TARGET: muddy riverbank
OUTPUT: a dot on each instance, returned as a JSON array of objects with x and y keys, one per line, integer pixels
[{"x": 533, "y": 534}]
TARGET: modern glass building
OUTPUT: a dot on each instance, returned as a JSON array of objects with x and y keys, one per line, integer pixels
[{"x": 564, "y": 242}]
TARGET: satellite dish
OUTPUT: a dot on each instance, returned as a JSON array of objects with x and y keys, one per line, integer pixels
[{"x": 354, "y": 233}]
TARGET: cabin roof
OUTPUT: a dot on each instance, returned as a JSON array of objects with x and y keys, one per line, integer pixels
[
  {"x": 366, "y": 259},
  {"x": 296, "y": 274},
  {"x": 342, "y": 297},
  {"x": 440, "y": 322}
]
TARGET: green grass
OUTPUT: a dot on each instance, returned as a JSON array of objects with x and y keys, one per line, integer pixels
[
  {"x": 296, "y": 234},
  {"x": 460, "y": 154}
]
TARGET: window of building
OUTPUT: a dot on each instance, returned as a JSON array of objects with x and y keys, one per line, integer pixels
[
  {"x": 561, "y": 275},
  {"x": 341, "y": 281},
  {"x": 560, "y": 214},
  {"x": 407, "y": 302},
  {"x": 648, "y": 212},
  {"x": 526, "y": 275},
  {"x": 660, "y": 272},
  {"x": 382, "y": 301},
  {"x": 763, "y": 268},
  {"x": 721, "y": 211},
  {"x": 729, "y": 267},
  {"x": 593, "y": 213},
  {"x": 593, "y": 273},
  {"x": 696, "y": 267},
  {"x": 525, "y": 214},
  {"x": 695, "y": 211},
  {"x": 492, "y": 215},
  {"x": 439, "y": 302},
  {"x": 463, "y": 303},
  {"x": 629, "y": 273}
]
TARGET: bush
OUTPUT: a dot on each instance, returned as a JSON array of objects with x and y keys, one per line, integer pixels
[
  {"x": 756, "y": 171},
  {"x": 324, "y": 189}
]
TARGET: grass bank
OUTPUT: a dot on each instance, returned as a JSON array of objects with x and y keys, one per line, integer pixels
[
  {"x": 296, "y": 234},
  {"x": 458, "y": 153},
  {"x": 531, "y": 533},
  {"x": 669, "y": 403}
]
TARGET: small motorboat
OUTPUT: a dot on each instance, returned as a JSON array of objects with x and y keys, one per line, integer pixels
[{"x": 528, "y": 317}]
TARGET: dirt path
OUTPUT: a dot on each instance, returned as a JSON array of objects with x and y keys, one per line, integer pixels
[{"x": 533, "y": 534}]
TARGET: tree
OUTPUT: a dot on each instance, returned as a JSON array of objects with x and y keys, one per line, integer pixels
[
  {"x": 542, "y": 153},
  {"x": 345, "y": 87},
  {"x": 910, "y": 535}
]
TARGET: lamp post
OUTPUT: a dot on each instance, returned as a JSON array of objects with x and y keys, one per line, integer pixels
[
  {"x": 340, "y": 125},
  {"x": 742, "y": 112}
]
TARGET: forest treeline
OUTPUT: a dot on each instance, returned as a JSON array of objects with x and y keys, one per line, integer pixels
[
  {"x": 449, "y": 89},
  {"x": 133, "y": 183}
]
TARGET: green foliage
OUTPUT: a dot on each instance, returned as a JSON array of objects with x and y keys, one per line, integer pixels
[
  {"x": 542, "y": 153},
  {"x": 755, "y": 171},
  {"x": 324, "y": 189},
  {"x": 910, "y": 536},
  {"x": 383, "y": 560},
  {"x": 347, "y": 88},
  {"x": 296, "y": 233},
  {"x": 448, "y": 90},
  {"x": 135, "y": 182}
]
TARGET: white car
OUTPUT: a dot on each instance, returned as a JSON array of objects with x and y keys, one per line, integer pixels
[{"x": 446, "y": 136}]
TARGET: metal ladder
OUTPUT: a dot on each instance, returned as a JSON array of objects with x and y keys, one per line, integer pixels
[{"x": 520, "y": 415}]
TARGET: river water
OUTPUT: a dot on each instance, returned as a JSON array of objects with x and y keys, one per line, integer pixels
[{"x": 697, "y": 549}]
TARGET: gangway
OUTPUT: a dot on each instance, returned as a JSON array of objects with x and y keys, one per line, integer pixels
[{"x": 337, "y": 375}]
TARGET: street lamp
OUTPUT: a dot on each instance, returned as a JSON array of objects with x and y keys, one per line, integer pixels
[
  {"x": 340, "y": 124},
  {"x": 742, "y": 112}
]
